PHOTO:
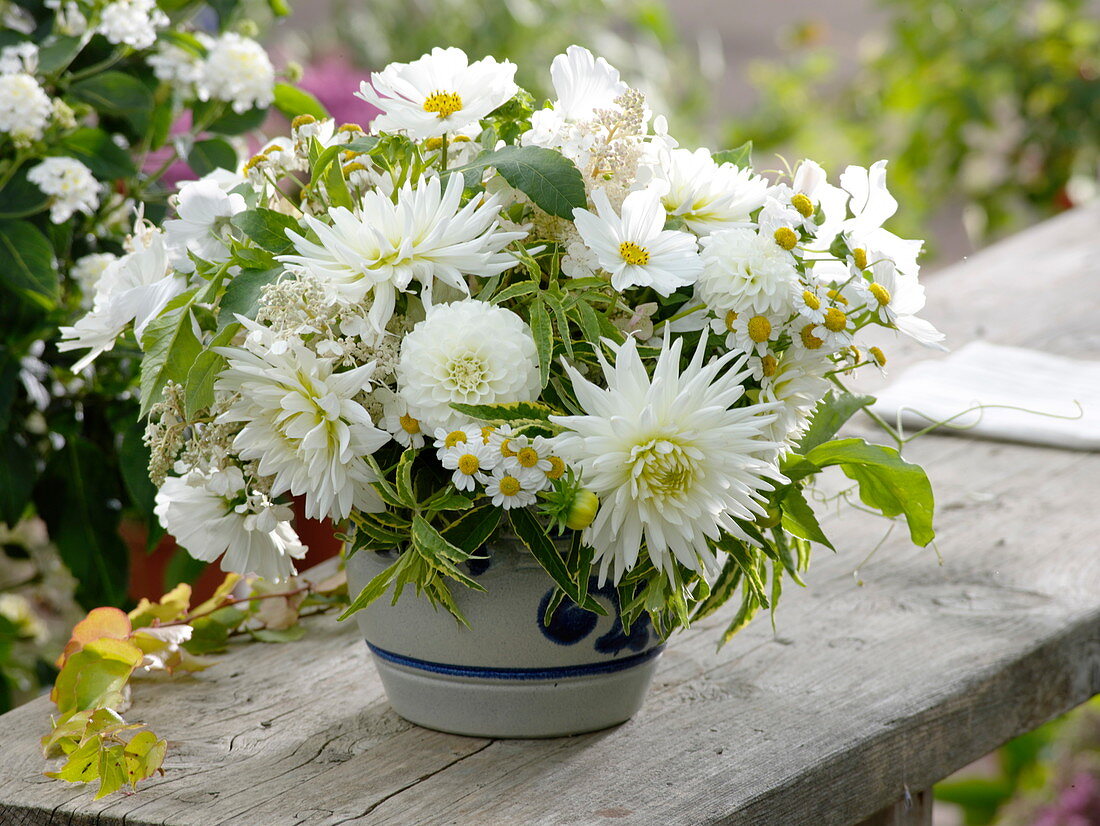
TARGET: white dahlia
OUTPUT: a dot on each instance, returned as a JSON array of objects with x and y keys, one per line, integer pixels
[
  {"x": 468, "y": 352},
  {"x": 302, "y": 422},
  {"x": 211, "y": 514},
  {"x": 745, "y": 271},
  {"x": 708, "y": 196},
  {"x": 440, "y": 93},
  {"x": 635, "y": 248},
  {"x": 673, "y": 465},
  {"x": 383, "y": 247}
]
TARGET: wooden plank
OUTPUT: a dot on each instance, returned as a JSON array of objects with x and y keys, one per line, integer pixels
[{"x": 865, "y": 690}]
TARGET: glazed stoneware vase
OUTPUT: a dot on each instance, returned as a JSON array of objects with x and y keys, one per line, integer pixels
[{"x": 511, "y": 674}]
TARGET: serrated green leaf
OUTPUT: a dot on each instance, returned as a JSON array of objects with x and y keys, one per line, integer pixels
[
  {"x": 242, "y": 294},
  {"x": 547, "y": 177},
  {"x": 199, "y": 387},
  {"x": 170, "y": 346},
  {"x": 267, "y": 228}
]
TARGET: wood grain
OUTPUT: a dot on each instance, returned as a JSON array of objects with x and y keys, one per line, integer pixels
[{"x": 870, "y": 686}]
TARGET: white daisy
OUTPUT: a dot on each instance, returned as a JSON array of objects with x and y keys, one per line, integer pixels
[
  {"x": 797, "y": 383},
  {"x": 835, "y": 330},
  {"x": 405, "y": 429},
  {"x": 896, "y": 298},
  {"x": 440, "y": 93},
  {"x": 746, "y": 271},
  {"x": 750, "y": 332},
  {"x": 213, "y": 514},
  {"x": 708, "y": 196},
  {"x": 635, "y": 248},
  {"x": 205, "y": 211},
  {"x": 471, "y": 460},
  {"x": 461, "y": 434},
  {"x": 515, "y": 488},
  {"x": 468, "y": 352},
  {"x": 70, "y": 185},
  {"x": 303, "y": 422},
  {"x": 383, "y": 247},
  {"x": 672, "y": 463}
]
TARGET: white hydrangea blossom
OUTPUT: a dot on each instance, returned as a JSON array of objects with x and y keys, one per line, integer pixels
[
  {"x": 70, "y": 185},
  {"x": 178, "y": 66},
  {"x": 87, "y": 270},
  {"x": 25, "y": 108},
  {"x": 238, "y": 71},
  {"x": 131, "y": 22}
]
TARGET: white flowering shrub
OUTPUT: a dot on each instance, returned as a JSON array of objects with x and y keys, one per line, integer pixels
[
  {"x": 439, "y": 335},
  {"x": 101, "y": 103}
]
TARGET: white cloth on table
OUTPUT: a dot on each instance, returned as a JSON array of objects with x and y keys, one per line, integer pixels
[{"x": 1007, "y": 377}]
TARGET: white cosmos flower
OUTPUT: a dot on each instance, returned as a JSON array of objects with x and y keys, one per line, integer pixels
[
  {"x": 70, "y": 185},
  {"x": 708, "y": 196},
  {"x": 440, "y": 93},
  {"x": 674, "y": 466},
  {"x": 745, "y": 271},
  {"x": 383, "y": 247},
  {"x": 872, "y": 205},
  {"x": 635, "y": 248},
  {"x": 213, "y": 514},
  {"x": 469, "y": 352},
  {"x": 205, "y": 211},
  {"x": 132, "y": 289},
  {"x": 302, "y": 422},
  {"x": 897, "y": 298},
  {"x": 583, "y": 83}
]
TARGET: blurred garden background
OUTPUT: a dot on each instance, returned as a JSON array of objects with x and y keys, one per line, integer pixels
[{"x": 989, "y": 110}]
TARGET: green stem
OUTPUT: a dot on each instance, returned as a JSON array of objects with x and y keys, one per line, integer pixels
[
  {"x": 872, "y": 415},
  {"x": 11, "y": 170},
  {"x": 96, "y": 68},
  {"x": 443, "y": 154}
]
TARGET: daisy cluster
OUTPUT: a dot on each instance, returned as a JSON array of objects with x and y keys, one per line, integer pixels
[{"x": 474, "y": 309}]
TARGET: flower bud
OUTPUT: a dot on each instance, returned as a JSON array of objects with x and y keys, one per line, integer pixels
[{"x": 583, "y": 510}]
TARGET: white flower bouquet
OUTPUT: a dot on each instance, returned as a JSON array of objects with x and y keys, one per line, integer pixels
[{"x": 480, "y": 317}]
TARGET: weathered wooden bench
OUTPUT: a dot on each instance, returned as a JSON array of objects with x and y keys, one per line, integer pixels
[{"x": 871, "y": 689}]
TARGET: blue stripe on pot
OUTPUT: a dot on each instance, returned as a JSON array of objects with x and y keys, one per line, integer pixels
[{"x": 488, "y": 673}]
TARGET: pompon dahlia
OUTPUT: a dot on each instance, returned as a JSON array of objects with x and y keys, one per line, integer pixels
[
  {"x": 673, "y": 465},
  {"x": 302, "y": 422},
  {"x": 469, "y": 352}
]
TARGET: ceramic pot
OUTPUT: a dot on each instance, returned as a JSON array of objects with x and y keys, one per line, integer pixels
[{"x": 510, "y": 674}]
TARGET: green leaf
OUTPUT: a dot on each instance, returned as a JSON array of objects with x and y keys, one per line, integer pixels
[
  {"x": 94, "y": 676},
  {"x": 27, "y": 263},
  {"x": 58, "y": 52},
  {"x": 144, "y": 755},
  {"x": 403, "y": 478},
  {"x": 721, "y": 591},
  {"x": 515, "y": 291},
  {"x": 799, "y": 518},
  {"x": 208, "y": 155},
  {"x": 267, "y": 228},
  {"x": 112, "y": 770},
  {"x": 545, "y": 176},
  {"x": 211, "y": 633},
  {"x": 829, "y": 416},
  {"x": 534, "y": 538},
  {"x": 199, "y": 391},
  {"x": 741, "y": 156},
  {"x": 377, "y": 586},
  {"x": 507, "y": 412},
  {"x": 544, "y": 339},
  {"x": 117, "y": 94},
  {"x": 170, "y": 346},
  {"x": 292, "y": 634},
  {"x": 232, "y": 123},
  {"x": 242, "y": 294},
  {"x": 441, "y": 554},
  {"x": 95, "y": 149},
  {"x": 886, "y": 482},
  {"x": 473, "y": 529},
  {"x": 362, "y": 146},
  {"x": 82, "y": 766},
  {"x": 17, "y": 475},
  {"x": 74, "y": 495},
  {"x": 20, "y": 198},
  {"x": 292, "y": 101}
]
